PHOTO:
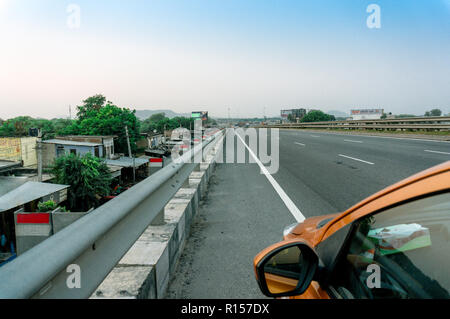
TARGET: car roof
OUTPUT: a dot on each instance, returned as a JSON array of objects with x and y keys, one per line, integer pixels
[{"x": 432, "y": 180}]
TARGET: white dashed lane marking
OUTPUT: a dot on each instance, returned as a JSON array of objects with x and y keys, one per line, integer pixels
[{"x": 356, "y": 159}]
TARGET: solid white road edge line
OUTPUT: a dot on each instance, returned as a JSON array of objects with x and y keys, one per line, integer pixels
[
  {"x": 356, "y": 159},
  {"x": 284, "y": 197},
  {"x": 436, "y": 152}
]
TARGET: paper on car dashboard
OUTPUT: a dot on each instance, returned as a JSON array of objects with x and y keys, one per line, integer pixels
[{"x": 399, "y": 238}]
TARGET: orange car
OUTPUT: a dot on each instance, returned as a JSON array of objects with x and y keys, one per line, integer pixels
[{"x": 394, "y": 244}]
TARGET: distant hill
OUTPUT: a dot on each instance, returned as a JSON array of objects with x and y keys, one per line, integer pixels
[
  {"x": 145, "y": 114},
  {"x": 338, "y": 113}
]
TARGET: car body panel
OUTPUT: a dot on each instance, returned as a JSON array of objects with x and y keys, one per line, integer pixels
[{"x": 435, "y": 179}]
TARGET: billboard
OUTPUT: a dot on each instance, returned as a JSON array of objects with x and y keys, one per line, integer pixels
[
  {"x": 285, "y": 113},
  {"x": 366, "y": 114},
  {"x": 200, "y": 115}
]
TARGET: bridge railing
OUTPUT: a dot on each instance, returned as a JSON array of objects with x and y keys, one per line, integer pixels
[
  {"x": 416, "y": 123},
  {"x": 95, "y": 243}
]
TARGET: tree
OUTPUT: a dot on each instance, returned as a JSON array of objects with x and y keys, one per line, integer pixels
[
  {"x": 19, "y": 126},
  {"x": 399, "y": 116},
  {"x": 158, "y": 123},
  {"x": 436, "y": 112},
  {"x": 433, "y": 112},
  {"x": 91, "y": 105},
  {"x": 317, "y": 116},
  {"x": 95, "y": 118},
  {"x": 157, "y": 117},
  {"x": 88, "y": 177},
  {"x": 291, "y": 118}
]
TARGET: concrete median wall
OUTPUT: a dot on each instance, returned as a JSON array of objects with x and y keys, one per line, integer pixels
[{"x": 145, "y": 270}]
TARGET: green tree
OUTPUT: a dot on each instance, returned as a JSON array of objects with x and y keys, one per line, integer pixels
[
  {"x": 88, "y": 177},
  {"x": 90, "y": 106},
  {"x": 97, "y": 119},
  {"x": 436, "y": 112},
  {"x": 157, "y": 117},
  {"x": 19, "y": 126},
  {"x": 404, "y": 116},
  {"x": 158, "y": 123},
  {"x": 317, "y": 116}
]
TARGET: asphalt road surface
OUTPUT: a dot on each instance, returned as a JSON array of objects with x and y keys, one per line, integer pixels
[{"x": 245, "y": 211}]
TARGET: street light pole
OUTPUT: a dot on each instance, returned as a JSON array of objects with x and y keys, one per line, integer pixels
[{"x": 131, "y": 155}]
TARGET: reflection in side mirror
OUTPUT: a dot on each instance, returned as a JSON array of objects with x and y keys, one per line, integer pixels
[
  {"x": 282, "y": 271},
  {"x": 287, "y": 270}
]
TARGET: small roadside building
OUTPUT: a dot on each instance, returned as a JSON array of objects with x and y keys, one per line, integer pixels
[
  {"x": 19, "y": 149},
  {"x": 55, "y": 148},
  {"x": 106, "y": 140},
  {"x": 25, "y": 198},
  {"x": 7, "y": 166},
  {"x": 126, "y": 165}
]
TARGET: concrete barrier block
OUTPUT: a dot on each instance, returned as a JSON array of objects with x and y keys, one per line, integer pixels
[
  {"x": 202, "y": 177},
  {"x": 156, "y": 254},
  {"x": 137, "y": 282},
  {"x": 195, "y": 183},
  {"x": 206, "y": 168}
]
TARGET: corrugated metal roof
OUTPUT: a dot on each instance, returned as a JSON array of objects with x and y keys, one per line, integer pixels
[
  {"x": 127, "y": 162},
  {"x": 28, "y": 192},
  {"x": 74, "y": 143},
  {"x": 6, "y": 165},
  {"x": 9, "y": 183}
]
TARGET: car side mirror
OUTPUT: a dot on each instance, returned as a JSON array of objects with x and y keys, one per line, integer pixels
[{"x": 286, "y": 270}]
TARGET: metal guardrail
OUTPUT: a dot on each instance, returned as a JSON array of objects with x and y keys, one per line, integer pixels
[
  {"x": 96, "y": 242},
  {"x": 415, "y": 123}
]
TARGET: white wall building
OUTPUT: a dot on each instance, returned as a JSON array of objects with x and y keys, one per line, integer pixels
[{"x": 366, "y": 114}]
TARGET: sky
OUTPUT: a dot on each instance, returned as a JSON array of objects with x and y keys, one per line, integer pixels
[{"x": 247, "y": 57}]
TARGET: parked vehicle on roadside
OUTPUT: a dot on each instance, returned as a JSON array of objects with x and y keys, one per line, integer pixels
[{"x": 394, "y": 244}]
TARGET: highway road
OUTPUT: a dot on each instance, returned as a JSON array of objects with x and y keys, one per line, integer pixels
[{"x": 245, "y": 211}]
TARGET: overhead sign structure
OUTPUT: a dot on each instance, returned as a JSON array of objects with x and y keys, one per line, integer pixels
[{"x": 200, "y": 115}]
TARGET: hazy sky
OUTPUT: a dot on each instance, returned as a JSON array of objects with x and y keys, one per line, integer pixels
[{"x": 246, "y": 55}]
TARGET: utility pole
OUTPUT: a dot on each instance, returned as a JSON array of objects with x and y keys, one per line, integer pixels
[
  {"x": 130, "y": 154},
  {"x": 39, "y": 155}
]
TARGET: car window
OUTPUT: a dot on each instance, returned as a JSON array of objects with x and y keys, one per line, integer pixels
[{"x": 402, "y": 252}]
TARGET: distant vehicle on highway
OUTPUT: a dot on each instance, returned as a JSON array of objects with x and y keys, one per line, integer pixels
[{"x": 394, "y": 244}]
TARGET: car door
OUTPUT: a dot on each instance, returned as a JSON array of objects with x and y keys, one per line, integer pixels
[{"x": 399, "y": 252}]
